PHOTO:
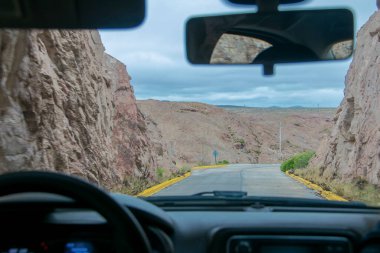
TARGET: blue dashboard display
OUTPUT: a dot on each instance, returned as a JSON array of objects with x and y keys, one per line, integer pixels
[
  {"x": 17, "y": 250},
  {"x": 79, "y": 247}
]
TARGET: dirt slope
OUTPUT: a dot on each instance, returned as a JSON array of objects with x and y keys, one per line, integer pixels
[{"x": 191, "y": 131}]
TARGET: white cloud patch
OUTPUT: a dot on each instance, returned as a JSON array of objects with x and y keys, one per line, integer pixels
[
  {"x": 264, "y": 96},
  {"x": 155, "y": 56},
  {"x": 150, "y": 58}
]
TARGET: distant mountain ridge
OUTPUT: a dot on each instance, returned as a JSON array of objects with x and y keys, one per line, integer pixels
[{"x": 274, "y": 107}]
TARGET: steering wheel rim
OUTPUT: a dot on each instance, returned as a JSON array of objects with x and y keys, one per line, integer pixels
[{"x": 129, "y": 236}]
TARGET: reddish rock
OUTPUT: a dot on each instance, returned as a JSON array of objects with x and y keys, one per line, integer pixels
[{"x": 67, "y": 106}]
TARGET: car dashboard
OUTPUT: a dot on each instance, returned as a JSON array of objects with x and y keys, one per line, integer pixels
[{"x": 37, "y": 223}]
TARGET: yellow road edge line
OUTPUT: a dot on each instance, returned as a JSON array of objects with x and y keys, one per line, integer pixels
[
  {"x": 159, "y": 187},
  {"x": 208, "y": 167},
  {"x": 156, "y": 188},
  {"x": 325, "y": 194}
]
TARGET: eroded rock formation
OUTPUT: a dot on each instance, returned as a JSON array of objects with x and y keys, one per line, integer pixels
[
  {"x": 353, "y": 148},
  {"x": 67, "y": 106}
]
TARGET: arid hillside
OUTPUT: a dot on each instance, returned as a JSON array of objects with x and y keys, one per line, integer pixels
[{"x": 192, "y": 131}]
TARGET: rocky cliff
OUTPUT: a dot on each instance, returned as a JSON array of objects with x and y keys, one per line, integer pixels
[
  {"x": 67, "y": 106},
  {"x": 352, "y": 151}
]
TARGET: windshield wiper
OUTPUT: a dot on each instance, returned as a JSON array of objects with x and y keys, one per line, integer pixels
[
  {"x": 224, "y": 194},
  {"x": 227, "y": 199}
]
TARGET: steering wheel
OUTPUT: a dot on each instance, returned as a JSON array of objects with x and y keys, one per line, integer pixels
[{"x": 128, "y": 234}]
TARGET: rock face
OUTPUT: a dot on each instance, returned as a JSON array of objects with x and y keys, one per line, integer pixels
[
  {"x": 67, "y": 106},
  {"x": 353, "y": 148},
  {"x": 237, "y": 49}
]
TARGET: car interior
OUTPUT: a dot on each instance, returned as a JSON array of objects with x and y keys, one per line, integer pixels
[{"x": 54, "y": 212}]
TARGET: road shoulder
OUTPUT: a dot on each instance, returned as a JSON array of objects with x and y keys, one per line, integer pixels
[
  {"x": 325, "y": 194},
  {"x": 159, "y": 187}
]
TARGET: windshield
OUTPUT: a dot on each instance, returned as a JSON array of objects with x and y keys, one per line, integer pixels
[{"x": 126, "y": 110}]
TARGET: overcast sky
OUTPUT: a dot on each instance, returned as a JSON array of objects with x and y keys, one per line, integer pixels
[{"x": 155, "y": 57}]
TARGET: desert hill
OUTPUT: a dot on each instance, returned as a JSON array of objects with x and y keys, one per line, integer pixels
[{"x": 192, "y": 131}]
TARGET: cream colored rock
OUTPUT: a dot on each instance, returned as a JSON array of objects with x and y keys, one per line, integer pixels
[
  {"x": 353, "y": 148},
  {"x": 236, "y": 49}
]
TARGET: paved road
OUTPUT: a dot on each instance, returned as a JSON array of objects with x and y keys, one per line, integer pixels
[{"x": 256, "y": 179}]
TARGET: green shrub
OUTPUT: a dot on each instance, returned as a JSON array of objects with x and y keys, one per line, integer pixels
[
  {"x": 160, "y": 172},
  {"x": 223, "y": 162},
  {"x": 302, "y": 160},
  {"x": 298, "y": 161},
  {"x": 287, "y": 165}
]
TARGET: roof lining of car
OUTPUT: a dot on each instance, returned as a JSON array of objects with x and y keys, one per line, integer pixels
[{"x": 71, "y": 14}]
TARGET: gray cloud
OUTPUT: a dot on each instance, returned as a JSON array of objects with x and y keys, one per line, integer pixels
[{"x": 155, "y": 57}]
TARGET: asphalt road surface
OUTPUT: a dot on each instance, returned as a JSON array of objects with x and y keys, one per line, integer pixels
[{"x": 255, "y": 179}]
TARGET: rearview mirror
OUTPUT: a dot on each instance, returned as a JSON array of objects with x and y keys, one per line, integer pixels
[
  {"x": 71, "y": 14},
  {"x": 255, "y": 2},
  {"x": 268, "y": 38}
]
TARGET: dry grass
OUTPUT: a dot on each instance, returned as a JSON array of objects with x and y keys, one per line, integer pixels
[
  {"x": 180, "y": 172},
  {"x": 356, "y": 190},
  {"x": 134, "y": 185}
]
